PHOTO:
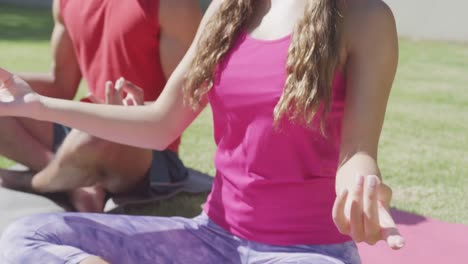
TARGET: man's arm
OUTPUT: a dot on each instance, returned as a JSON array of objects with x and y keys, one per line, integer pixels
[
  {"x": 152, "y": 126},
  {"x": 179, "y": 21},
  {"x": 65, "y": 75}
]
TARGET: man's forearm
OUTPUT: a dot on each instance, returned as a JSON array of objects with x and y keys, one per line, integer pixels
[{"x": 45, "y": 84}]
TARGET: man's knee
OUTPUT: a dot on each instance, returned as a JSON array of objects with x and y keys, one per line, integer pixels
[
  {"x": 116, "y": 167},
  {"x": 81, "y": 148}
]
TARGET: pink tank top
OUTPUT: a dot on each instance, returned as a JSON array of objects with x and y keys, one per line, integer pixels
[{"x": 275, "y": 186}]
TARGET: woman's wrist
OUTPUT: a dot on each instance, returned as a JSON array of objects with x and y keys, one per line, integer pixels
[
  {"x": 346, "y": 181},
  {"x": 38, "y": 107}
]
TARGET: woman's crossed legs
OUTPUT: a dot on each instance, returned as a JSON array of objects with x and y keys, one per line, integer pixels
[{"x": 73, "y": 238}]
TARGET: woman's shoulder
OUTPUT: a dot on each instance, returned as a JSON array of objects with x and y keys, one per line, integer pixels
[
  {"x": 366, "y": 19},
  {"x": 366, "y": 9}
]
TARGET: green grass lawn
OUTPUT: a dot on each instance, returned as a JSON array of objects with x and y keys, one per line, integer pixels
[{"x": 424, "y": 147}]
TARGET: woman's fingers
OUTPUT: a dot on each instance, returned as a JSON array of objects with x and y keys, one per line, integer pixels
[
  {"x": 371, "y": 211},
  {"x": 389, "y": 230},
  {"x": 348, "y": 214},
  {"x": 385, "y": 195},
  {"x": 356, "y": 215},
  {"x": 363, "y": 213},
  {"x": 339, "y": 217},
  {"x": 16, "y": 96},
  {"x": 5, "y": 75}
]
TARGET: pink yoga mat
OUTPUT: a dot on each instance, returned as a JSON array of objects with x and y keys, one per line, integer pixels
[{"x": 428, "y": 241}]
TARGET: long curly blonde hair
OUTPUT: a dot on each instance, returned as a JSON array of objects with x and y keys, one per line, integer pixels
[{"x": 311, "y": 64}]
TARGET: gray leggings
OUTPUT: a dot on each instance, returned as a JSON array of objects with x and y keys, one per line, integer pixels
[{"x": 72, "y": 237}]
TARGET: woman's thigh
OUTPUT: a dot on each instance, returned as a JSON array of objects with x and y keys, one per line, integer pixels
[
  {"x": 345, "y": 253},
  {"x": 67, "y": 238}
]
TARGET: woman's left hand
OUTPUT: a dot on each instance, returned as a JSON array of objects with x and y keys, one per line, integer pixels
[
  {"x": 16, "y": 97},
  {"x": 362, "y": 212}
]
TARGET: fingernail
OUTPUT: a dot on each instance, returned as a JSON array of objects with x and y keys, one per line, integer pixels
[
  {"x": 371, "y": 182},
  {"x": 360, "y": 180},
  {"x": 120, "y": 82},
  {"x": 344, "y": 192},
  {"x": 401, "y": 243}
]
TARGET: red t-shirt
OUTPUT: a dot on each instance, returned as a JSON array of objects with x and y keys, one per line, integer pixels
[{"x": 114, "y": 39}]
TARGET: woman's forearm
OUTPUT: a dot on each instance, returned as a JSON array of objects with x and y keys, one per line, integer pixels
[{"x": 139, "y": 126}]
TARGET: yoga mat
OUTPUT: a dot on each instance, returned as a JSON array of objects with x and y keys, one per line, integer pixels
[
  {"x": 14, "y": 204},
  {"x": 428, "y": 241}
]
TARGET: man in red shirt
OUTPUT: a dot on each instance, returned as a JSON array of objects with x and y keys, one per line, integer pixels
[{"x": 99, "y": 41}]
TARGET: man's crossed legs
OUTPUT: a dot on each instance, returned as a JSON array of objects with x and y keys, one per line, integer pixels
[{"x": 86, "y": 167}]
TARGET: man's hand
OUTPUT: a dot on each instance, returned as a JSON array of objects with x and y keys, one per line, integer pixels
[
  {"x": 134, "y": 95},
  {"x": 115, "y": 94},
  {"x": 362, "y": 212}
]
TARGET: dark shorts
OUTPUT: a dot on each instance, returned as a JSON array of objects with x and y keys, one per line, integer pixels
[{"x": 167, "y": 170}]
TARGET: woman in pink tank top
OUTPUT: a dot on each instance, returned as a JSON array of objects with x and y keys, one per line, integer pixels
[{"x": 298, "y": 91}]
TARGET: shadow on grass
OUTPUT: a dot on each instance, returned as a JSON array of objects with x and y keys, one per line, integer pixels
[
  {"x": 183, "y": 204},
  {"x": 186, "y": 202},
  {"x": 407, "y": 218},
  {"x": 19, "y": 23}
]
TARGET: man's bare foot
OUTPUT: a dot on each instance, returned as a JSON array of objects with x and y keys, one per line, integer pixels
[
  {"x": 88, "y": 199},
  {"x": 56, "y": 178},
  {"x": 17, "y": 180}
]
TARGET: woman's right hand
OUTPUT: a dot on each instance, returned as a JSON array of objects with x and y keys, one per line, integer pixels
[{"x": 16, "y": 97}]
